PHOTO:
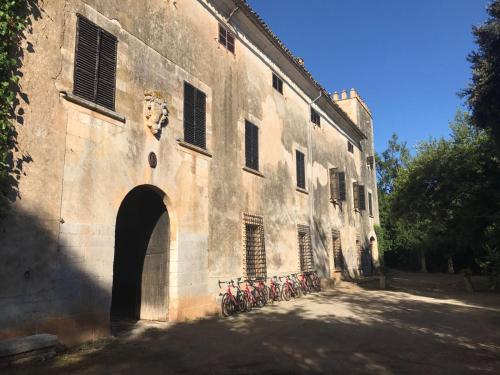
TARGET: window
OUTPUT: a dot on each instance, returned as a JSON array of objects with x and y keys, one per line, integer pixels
[
  {"x": 370, "y": 204},
  {"x": 362, "y": 201},
  {"x": 254, "y": 247},
  {"x": 370, "y": 162},
  {"x": 277, "y": 83},
  {"x": 194, "y": 116},
  {"x": 355, "y": 195},
  {"x": 338, "y": 257},
  {"x": 305, "y": 249},
  {"x": 94, "y": 76},
  {"x": 226, "y": 38},
  {"x": 315, "y": 117},
  {"x": 337, "y": 185},
  {"x": 358, "y": 192},
  {"x": 251, "y": 146},
  {"x": 301, "y": 173},
  {"x": 350, "y": 147}
]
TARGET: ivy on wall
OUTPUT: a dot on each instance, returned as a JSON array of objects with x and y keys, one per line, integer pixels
[{"x": 14, "y": 21}]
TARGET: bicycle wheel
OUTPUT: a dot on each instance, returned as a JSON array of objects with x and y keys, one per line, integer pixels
[
  {"x": 242, "y": 304},
  {"x": 271, "y": 296},
  {"x": 267, "y": 292},
  {"x": 248, "y": 301},
  {"x": 304, "y": 288},
  {"x": 286, "y": 293},
  {"x": 227, "y": 305},
  {"x": 316, "y": 284},
  {"x": 278, "y": 293},
  {"x": 297, "y": 291},
  {"x": 259, "y": 298}
]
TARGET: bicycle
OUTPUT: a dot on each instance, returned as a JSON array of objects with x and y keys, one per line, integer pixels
[
  {"x": 288, "y": 289},
  {"x": 303, "y": 284},
  {"x": 313, "y": 281},
  {"x": 250, "y": 295},
  {"x": 274, "y": 290},
  {"x": 262, "y": 290},
  {"x": 229, "y": 303}
]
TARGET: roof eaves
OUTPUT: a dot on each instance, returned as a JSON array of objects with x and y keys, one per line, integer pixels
[{"x": 254, "y": 16}]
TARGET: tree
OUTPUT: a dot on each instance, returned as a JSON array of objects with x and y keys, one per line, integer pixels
[
  {"x": 483, "y": 94},
  {"x": 449, "y": 196}
]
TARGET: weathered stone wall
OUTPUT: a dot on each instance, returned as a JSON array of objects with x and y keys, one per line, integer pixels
[{"x": 58, "y": 242}]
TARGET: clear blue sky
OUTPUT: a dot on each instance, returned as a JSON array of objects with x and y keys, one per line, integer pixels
[{"x": 406, "y": 58}]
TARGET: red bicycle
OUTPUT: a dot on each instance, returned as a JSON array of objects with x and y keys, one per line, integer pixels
[
  {"x": 263, "y": 291},
  {"x": 302, "y": 281},
  {"x": 231, "y": 304},
  {"x": 274, "y": 290},
  {"x": 289, "y": 290}
]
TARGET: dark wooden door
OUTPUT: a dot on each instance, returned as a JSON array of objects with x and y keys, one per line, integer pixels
[{"x": 154, "y": 285}]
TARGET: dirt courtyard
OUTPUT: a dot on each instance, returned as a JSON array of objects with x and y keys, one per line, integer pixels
[{"x": 421, "y": 325}]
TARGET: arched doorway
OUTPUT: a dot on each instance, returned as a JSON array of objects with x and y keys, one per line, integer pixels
[{"x": 140, "y": 267}]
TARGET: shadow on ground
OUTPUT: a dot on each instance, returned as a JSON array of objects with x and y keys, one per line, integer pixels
[{"x": 349, "y": 329}]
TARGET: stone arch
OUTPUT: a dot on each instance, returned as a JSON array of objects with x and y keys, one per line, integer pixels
[{"x": 144, "y": 234}]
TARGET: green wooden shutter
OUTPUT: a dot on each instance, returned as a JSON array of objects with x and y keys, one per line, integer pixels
[
  {"x": 362, "y": 200},
  {"x": 355, "y": 193},
  {"x": 342, "y": 186}
]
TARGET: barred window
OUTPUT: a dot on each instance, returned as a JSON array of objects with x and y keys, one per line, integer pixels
[
  {"x": 277, "y": 83},
  {"x": 94, "y": 76},
  {"x": 338, "y": 257},
  {"x": 300, "y": 169},
  {"x": 254, "y": 247},
  {"x": 226, "y": 38},
  {"x": 305, "y": 248},
  {"x": 251, "y": 146},
  {"x": 315, "y": 117},
  {"x": 194, "y": 116}
]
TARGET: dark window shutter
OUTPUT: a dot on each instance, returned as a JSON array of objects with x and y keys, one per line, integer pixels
[
  {"x": 370, "y": 204},
  {"x": 230, "y": 42},
  {"x": 301, "y": 175},
  {"x": 334, "y": 184},
  {"x": 189, "y": 103},
  {"x": 222, "y": 36},
  {"x": 251, "y": 146},
  {"x": 278, "y": 83},
  {"x": 194, "y": 116},
  {"x": 86, "y": 57},
  {"x": 355, "y": 194},
  {"x": 315, "y": 117},
  {"x": 350, "y": 147},
  {"x": 200, "y": 118},
  {"x": 95, "y": 64},
  {"x": 342, "y": 187},
  {"x": 106, "y": 74},
  {"x": 362, "y": 200}
]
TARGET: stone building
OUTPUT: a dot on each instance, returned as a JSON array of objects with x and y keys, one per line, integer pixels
[{"x": 167, "y": 145}]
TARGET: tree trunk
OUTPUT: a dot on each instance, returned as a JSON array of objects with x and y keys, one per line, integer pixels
[
  {"x": 450, "y": 265},
  {"x": 423, "y": 265}
]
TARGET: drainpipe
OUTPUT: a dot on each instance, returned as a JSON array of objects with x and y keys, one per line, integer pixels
[{"x": 232, "y": 13}]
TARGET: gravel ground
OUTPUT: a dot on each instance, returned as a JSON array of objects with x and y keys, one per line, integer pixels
[{"x": 424, "y": 324}]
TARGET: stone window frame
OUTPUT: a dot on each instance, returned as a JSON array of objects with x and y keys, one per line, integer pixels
[
  {"x": 224, "y": 39},
  {"x": 305, "y": 257},
  {"x": 260, "y": 270}
]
